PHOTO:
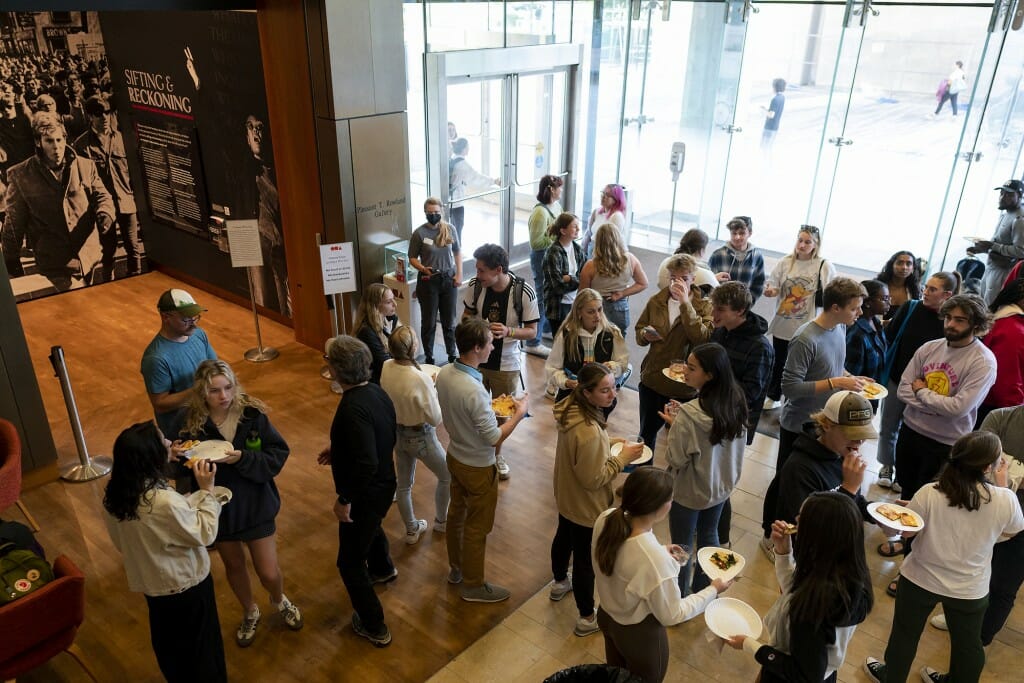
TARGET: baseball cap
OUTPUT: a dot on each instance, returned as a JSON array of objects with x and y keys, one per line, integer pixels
[
  {"x": 852, "y": 413},
  {"x": 179, "y": 300},
  {"x": 1012, "y": 186}
]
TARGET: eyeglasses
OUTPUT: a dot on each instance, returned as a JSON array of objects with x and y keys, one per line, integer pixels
[
  {"x": 884, "y": 298},
  {"x": 191, "y": 321}
]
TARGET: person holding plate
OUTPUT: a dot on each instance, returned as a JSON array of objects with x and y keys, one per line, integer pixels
[
  {"x": 584, "y": 472},
  {"x": 637, "y": 583},
  {"x": 706, "y": 440},
  {"x": 826, "y": 593},
  {"x": 220, "y": 409},
  {"x": 418, "y": 414},
  {"x": 586, "y": 337},
  {"x": 674, "y": 320},
  {"x": 968, "y": 511},
  {"x": 163, "y": 537}
]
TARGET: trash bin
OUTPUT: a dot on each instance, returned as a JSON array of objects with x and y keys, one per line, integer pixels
[{"x": 593, "y": 673}]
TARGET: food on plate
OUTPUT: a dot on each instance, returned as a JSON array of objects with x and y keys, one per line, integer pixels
[
  {"x": 189, "y": 445},
  {"x": 872, "y": 390},
  {"x": 723, "y": 560},
  {"x": 790, "y": 530},
  {"x": 503, "y": 406},
  {"x": 894, "y": 514}
]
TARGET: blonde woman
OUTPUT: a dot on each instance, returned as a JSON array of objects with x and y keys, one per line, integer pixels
[
  {"x": 795, "y": 280},
  {"x": 418, "y": 414},
  {"x": 374, "y": 323},
  {"x": 434, "y": 252},
  {"x": 219, "y": 408},
  {"x": 585, "y": 337},
  {"x": 615, "y": 273}
]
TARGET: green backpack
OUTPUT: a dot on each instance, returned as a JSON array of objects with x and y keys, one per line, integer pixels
[{"x": 21, "y": 572}]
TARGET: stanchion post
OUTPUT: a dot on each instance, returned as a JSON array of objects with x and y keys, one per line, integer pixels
[
  {"x": 260, "y": 354},
  {"x": 87, "y": 468}
]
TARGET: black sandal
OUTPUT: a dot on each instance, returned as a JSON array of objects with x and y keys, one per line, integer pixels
[
  {"x": 888, "y": 549},
  {"x": 890, "y": 590}
]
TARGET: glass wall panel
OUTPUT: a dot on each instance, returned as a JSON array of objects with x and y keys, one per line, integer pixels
[
  {"x": 893, "y": 147},
  {"x": 770, "y": 175}
]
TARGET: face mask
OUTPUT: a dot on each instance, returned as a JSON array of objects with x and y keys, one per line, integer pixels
[{"x": 433, "y": 218}]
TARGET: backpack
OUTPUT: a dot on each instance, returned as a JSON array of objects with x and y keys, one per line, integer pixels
[
  {"x": 517, "y": 294},
  {"x": 21, "y": 572}
]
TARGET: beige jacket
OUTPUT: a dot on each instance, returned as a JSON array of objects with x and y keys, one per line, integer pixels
[
  {"x": 691, "y": 328},
  {"x": 584, "y": 467}
]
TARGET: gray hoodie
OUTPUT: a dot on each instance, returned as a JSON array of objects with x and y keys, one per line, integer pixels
[{"x": 705, "y": 474}]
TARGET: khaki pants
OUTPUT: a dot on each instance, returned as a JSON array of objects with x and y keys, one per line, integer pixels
[
  {"x": 470, "y": 518},
  {"x": 500, "y": 382}
]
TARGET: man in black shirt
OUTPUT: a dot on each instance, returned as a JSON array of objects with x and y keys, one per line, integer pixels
[{"x": 362, "y": 441}]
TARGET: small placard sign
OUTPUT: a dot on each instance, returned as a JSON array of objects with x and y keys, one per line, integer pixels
[
  {"x": 339, "y": 267},
  {"x": 244, "y": 243}
]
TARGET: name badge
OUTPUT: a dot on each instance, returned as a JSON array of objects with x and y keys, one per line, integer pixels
[{"x": 429, "y": 242}]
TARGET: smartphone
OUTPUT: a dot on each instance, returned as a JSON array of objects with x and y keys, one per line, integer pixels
[{"x": 652, "y": 333}]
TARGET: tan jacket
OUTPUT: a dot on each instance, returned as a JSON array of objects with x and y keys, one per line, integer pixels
[
  {"x": 584, "y": 466},
  {"x": 691, "y": 328}
]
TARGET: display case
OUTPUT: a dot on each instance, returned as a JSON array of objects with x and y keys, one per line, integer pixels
[{"x": 396, "y": 261}]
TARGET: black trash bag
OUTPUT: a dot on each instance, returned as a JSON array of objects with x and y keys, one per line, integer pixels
[{"x": 593, "y": 673}]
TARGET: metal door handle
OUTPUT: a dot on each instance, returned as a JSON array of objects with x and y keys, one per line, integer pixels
[
  {"x": 838, "y": 142},
  {"x": 730, "y": 129}
]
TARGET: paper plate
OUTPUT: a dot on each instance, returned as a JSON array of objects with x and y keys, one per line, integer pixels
[
  {"x": 675, "y": 378},
  {"x": 890, "y": 524},
  {"x": 879, "y": 392},
  {"x": 210, "y": 450},
  {"x": 728, "y": 617},
  {"x": 976, "y": 239},
  {"x": 430, "y": 370},
  {"x": 222, "y": 494},
  {"x": 646, "y": 457},
  {"x": 713, "y": 572}
]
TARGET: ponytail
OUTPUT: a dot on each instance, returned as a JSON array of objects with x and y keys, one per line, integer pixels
[{"x": 615, "y": 532}]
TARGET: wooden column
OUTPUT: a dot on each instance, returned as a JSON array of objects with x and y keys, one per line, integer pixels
[{"x": 282, "y": 28}]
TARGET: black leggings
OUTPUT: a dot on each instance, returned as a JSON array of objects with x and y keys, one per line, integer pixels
[
  {"x": 781, "y": 347},
  {"x": 574, "y": 540}
]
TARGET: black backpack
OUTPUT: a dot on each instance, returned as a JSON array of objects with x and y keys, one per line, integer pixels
[{"x": 517, "y": 294}]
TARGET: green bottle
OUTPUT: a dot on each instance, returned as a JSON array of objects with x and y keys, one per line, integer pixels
[{"x": 254, "y": 442}]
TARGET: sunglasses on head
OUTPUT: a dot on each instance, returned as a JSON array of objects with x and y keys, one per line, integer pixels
[{"x": 809, "y": 228}]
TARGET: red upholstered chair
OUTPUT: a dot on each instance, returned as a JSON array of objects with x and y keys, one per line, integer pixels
[
  {"x": 43, "y": 624},
  {"x": 10, "y": 471}
]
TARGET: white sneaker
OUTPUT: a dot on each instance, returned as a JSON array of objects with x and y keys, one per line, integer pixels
[
  {"x": 503, "y": 471},
  {"x": 559, "y": 589},
  {"x": 768, "y": 548},
  {"x": 538, "y": 350},
  {"x": 885, "y": 477},
  {"x": 939, "y": 622},
  {"x": 413, "y": 535},
  {"x": 290, "y": 613},
  {"x": 584, "y": 626},
  {"x": 440, "y": 527},
  {"x": 896, "y": 488}
]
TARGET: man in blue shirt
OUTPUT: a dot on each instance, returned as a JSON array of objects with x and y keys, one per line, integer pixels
[{"x": 169, "y": 362}]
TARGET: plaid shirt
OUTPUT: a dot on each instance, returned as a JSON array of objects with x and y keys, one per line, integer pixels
[
  {"x": 749, "y": 271},
  {"x": 556, "y": 265},
  {"x": 865, "y": 349}
]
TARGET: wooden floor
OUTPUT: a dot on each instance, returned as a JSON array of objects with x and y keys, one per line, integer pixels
[{"x": 104, "y": 330}]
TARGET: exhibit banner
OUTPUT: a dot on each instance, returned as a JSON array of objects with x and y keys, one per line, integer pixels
[{"x": 191, "y": 91}]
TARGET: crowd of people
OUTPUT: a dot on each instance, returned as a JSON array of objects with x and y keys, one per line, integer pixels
[
  {"x": 949, "y": 444},
  {"x": 57, "y": 121}
]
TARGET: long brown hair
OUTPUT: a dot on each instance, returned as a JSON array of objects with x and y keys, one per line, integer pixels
[
  {"x": 570, "y": 329},
  {"x": 963, "y": 478},
  {"x": 645, "y": 490},
  {"x": 402, "y": 344},
  {"x": 589, "y": 376},
  {"x": 610, "y": 255},
  {"x": 369, "y": 313}
]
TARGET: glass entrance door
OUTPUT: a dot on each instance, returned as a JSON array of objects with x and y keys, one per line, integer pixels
[
  {"x": 682, "y": 69},
  {"x": 498, "y": 120}
]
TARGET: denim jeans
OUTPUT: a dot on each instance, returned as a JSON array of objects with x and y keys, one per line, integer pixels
[
  {"x": 892, "y": 418},
  {"x": 617, "y": 313},
  {"x": 413, "y": 445},
  {"x": 684, "y": 524},
  {"x": 537, "y": 266}
]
